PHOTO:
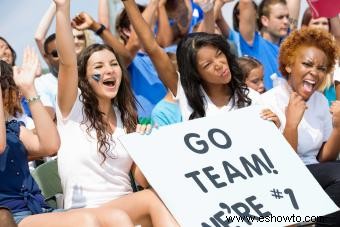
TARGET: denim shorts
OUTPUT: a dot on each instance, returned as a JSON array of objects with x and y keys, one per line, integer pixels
[{"x": 19, "y": 216}]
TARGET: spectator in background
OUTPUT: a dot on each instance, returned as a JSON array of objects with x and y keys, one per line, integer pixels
[{"x": 252, "y": 71}]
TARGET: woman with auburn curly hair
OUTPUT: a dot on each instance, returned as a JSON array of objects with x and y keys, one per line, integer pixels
[
  {"x": 93, "y": 166},
  {"x": 310, "y": 126}
]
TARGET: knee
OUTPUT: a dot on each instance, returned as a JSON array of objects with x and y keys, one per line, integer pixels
[
  {"x": 88, "y": 219},
  {"x": 120, "y": 218}
]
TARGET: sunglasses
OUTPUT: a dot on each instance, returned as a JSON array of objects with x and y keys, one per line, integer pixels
[{"x": 54, "y": 53}]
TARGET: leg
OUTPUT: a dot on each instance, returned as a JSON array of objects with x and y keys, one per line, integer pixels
[
  {"x": 143, "y": 207},
  {"x": 62, "y": 219},
  {"x": 79, "y": 217},
  {"x": 6, "y": 218},
  {"x": 328, "y": 176}
]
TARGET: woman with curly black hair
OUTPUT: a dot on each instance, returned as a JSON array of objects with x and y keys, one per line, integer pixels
[{"x": 93, "y": 166}]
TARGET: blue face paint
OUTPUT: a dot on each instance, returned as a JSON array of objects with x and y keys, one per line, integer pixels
[{"x": 96, "y": 77}]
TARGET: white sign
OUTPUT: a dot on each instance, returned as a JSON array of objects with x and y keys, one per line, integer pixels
[{"x": 231, "y": 170}]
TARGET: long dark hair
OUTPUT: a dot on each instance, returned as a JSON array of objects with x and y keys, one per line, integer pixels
[
  {"x": 14, "y": 55},
  {"x": 93, "y": 117},
  {"x": 10, "y": 92},
  {"x": 190, "y": 78}
]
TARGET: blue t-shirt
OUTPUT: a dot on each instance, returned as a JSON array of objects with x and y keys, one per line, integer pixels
[
  {"x": 266, "y": 52},
  {"x": 146, "y": 85},
  {"x": 18, "y": 190},
  {"x": 166, "y": 113}
]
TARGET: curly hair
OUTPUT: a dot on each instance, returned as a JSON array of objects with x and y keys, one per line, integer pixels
[
  {"x": 191, "y": 79},
  {"x": 307, "y": 37},
  {"x": 10, "y": 92},
  {"x": 93, "y": 117}
]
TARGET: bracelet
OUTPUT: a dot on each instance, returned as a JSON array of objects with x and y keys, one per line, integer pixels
[
  {"x": 33, "y": 99},
  {"x": 100, "y": 30}
]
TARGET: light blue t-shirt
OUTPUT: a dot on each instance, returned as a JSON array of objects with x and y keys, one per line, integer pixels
[
  {"x": 266, "y": 52},
  {"x": 146, "y": 85},
  {"x": 166, "y": 113}
]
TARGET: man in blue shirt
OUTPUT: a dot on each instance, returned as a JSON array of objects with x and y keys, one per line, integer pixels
[{"x": 273, "y": 24}]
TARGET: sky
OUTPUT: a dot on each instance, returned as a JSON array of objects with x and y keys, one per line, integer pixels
[{"x": 20, "y": 18}]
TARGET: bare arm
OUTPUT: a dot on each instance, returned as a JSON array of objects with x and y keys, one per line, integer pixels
[
  {"x": 208, "y": 23},
  {"x": 2, "y": 126},
  {"x": 139, "y": 176},
  {"x": 46, "y": 140},
  {"x": 68, "y": 74},
  {"x": 104, "y": 13},
  {"x": 219, "y": 19},
  {"x": 335, "y": 28},
  {"x": 294, "y": 10},
  {"x": 247, "y": 25},
  {"x": 294, "y": 113},
  {"x": 44, "y": 25},
  {"x": 165, "y": 35},
  {"x": 84, "y": 21},
  {"x": 330, "y": 150},
  {"x": 160, "y": 59}
]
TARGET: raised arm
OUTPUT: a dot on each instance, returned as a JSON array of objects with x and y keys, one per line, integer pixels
[
  {"x": 2, "y": 126},
  {"x": 104, "y": 13},
  {"x": 68, "y": 74},
  {"x": 84, "y": 21},
  {"x": 208, "y": 23},
  {"x": 294, "y": 10},
  {"x": 165, "y": 35},
  {"x": 218, "y": 17},
  {"x": 335, "y": 28},
  {"x": 160, "y": 59},
  {"x": 247, "y": 24},
  {"x": 44, "y": 25},
  {"x": 46, "y": 140}
]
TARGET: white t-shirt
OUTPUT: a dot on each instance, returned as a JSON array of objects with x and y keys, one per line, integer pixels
[
  {"x": 336, "y": 73},
  {"x": 315, "y": 126},
  {"x": 210, "y": 108},
  {"x": 87, "y": 181},
  {"x": 47, "y": 86}
]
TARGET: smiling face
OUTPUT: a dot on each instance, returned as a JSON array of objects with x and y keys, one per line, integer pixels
[
  {"x": 254, "y": 79},
  {"x": 212, "y": 65},
  {"x": 308, "y": 71},
  {"x": 104, "y": 63},
  {"x": 7, "y": 54}
]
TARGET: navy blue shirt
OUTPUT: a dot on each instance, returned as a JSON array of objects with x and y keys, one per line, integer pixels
[{"x": 18, "y": 190}]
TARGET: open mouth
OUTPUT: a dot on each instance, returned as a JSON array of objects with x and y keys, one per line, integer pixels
[
  {"x": 109, "y": 82},
  {"x": 308, "y": 85}
]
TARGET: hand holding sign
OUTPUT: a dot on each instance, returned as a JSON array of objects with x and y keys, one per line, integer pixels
[{"x": 226, "y": 174}]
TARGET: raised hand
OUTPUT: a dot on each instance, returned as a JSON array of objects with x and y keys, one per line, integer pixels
[
  {"x": 82, "y": 21},
  {"x": 335, "y": 110},
  {"x": 61, "y": 2},
  {"x": 295, "y": 110},
  {"x": 24, "y": 76},
  {"x": 206, "y": 5}
]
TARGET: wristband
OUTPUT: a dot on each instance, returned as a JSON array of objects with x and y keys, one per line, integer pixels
[
  {"x": 33, "y": 99},
  {"x": 100, "y": 30}
]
